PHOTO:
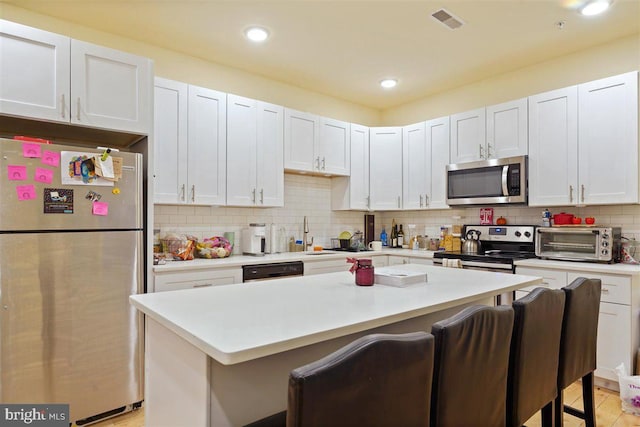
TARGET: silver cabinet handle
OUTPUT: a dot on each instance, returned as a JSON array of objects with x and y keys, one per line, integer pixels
[
  {"x": 182, "y": 192},
  {"x": 253, "y": 196},
  {"x": 426, "y": 200},
  {"x": 193, "y": 193},
  {"x": 421, "y": 200},
  {"x": 204, "y": 285},
  {"x": 63, "y": 105},
  {"x": 78, "y": 112},
  {"x": 604, "y": 291},
  {"x": 582, "y": 189},
  {"x": 262, "y": 196},
  {"x": 318, "y": 162},
  {"x": 481, "y": 147},
  {"x": 398, "y": 201},
  {"x": 488, "y": 151},
  {"x": 368, "y": 202},
  {"x": 323, "y": 164},
  {"x": 571, "y": 194}
]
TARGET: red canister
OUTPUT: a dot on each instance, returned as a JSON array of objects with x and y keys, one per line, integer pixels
[{"x": 364, "y": 271}]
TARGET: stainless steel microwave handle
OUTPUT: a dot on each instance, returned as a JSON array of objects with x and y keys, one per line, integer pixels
[
  {"x": 505, "y": 175},
  {"x": 566, "y": 230}
]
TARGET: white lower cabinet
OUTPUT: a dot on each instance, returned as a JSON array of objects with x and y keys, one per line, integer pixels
[
  {"x": 617, "y": 329},
  {"x": 196, "y": 279},
  {"x": 399, "y": 260},
  {"x": 321, "y": 267}
]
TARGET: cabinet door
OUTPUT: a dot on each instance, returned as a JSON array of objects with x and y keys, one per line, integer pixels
[
  {"x": 196, "y": 279},
  {"x": 207, "y": 147},
  {"x": 553, "y": 279},
  {"x": 300, "y": 137},
  {"x": 170, "y": 141},
  {"x": 608, "y": 139},
  {"x": 415, "y": 167},
  {"x": 397, "y": 260},
  {"x": 437, "y": 141},
  {"x": 468, "y": 138},
  {"x": 322, "y": 267},
  {"x": 270, "y": 148},
  {"x": 553, "y": 148},
  {"x": 334, "y": 148},
  {"x": 507, "y": 129},
  {"x": 241, "y": 151},
  {"x": 34, "y": 73},
  {"x": 385, "y": 168},
  {"x": 110, "y": 89},
  {"x": 614, "y": 339},
  {"x": 352, "y": 192}
]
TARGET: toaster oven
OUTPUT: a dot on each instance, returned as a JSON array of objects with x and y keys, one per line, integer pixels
[{"x": 590, "y": 244}]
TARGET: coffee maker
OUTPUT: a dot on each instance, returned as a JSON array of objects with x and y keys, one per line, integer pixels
[{"x": 254, "y": 240}]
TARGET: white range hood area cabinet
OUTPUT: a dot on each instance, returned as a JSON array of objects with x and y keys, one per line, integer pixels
[
  {"x": 317, "y": 145},
  {"x": 583, "y": 144},
  {"x": 255, "y": 141},
  {"x": 190, "y": 144},
  {"x": 51, "y": 77},
  {"x": 490, "y": 132}
]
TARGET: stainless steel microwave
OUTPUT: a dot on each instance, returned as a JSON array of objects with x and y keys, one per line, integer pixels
[
  {"x": 576, "y": 243},
  {"x": 488, "y": 182}
]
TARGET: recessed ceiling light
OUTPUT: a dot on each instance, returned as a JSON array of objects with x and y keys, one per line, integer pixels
[
  {"x": 256, "y": 34},
  {"x": 595, "y": 7},
  {"x": 388, "y": 83}
]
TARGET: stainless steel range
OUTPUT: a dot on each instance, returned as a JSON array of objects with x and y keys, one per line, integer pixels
[{"x": 501, "y": 246}]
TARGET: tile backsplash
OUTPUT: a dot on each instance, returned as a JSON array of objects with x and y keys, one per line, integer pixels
[{"x": 311, "y": 196}]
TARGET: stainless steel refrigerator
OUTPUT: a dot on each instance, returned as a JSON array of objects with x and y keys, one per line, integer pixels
[{"x": 71, "y": 253}]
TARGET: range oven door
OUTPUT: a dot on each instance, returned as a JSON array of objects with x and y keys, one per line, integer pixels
[{"x": 494, "y": 181}]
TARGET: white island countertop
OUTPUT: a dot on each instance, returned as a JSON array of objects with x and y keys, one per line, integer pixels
[{"x": 241, "y": 322}]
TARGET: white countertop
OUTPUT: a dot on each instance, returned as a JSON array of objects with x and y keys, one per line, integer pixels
[
  {"x": 240, "y": 260},
  {"x": 240, "y": 322},
  {"x": 592, "y": 267}
]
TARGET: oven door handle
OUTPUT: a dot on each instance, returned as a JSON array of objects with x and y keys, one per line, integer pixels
[
  {"x": 564, "y": 230},
  {"x": 505, "y": 176}
]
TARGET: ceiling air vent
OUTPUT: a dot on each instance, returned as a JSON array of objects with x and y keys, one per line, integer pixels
[{"x": 446, "y": 18}]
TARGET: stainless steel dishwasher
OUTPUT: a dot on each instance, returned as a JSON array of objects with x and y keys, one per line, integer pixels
[{"x": 276, "y": 270}]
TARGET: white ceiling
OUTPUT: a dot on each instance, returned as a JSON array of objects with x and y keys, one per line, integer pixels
[{"x": 344, "y": 48}]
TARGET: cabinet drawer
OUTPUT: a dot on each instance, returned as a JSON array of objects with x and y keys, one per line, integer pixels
[
  {"x": 553, "y": 279},
  {"x": 199, "y": 279},
  {"x": 616, "y": 289}
]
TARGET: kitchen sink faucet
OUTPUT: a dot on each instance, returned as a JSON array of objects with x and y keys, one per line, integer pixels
[{"x": 305, "y": 235}]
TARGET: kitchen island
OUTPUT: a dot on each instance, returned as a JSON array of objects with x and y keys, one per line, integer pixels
[{"x": 221, "y": 356}]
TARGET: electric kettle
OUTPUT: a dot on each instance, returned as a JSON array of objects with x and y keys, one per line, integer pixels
[{"x": 472, "y": 244}]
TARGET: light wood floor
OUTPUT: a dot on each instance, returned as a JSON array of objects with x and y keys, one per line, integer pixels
[{"x": 608, "y": 412}]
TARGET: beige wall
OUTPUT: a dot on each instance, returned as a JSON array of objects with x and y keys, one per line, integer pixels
[
  {"x": 606, "y": 60},
  {"x": 177, "y": 66}
]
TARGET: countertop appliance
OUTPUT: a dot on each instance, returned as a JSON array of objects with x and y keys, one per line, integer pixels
[
  {"x": 71, "y": 254},
  {"x": 579, "y": 243},
  {"x": 259, "y": 272},
  {"x": 501, "y": 246},
  {"x": 488, "y": 182},
  {"x": 254, "y": 240}
]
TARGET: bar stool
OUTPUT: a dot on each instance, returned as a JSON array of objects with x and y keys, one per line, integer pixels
[
  {"x": 578, "y": 347},
  {"x": 533, "y": 360},
  {"x": 377, "y": 380},
  {"x": 471, "y": 366}
]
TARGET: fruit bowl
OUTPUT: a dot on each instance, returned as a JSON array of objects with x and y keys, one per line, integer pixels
[{"x": 214, "y": 247}]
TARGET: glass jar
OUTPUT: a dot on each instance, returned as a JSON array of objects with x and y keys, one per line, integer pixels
[{"x": 364, "y": 272}]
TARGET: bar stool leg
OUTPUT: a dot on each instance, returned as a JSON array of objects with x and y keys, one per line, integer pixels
[
  {"x": 588, "y": 399},
  {"x": 558, "y": 406},
  {"x": 547, "y": 414}
]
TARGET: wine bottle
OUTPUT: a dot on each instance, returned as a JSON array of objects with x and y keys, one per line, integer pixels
[
  {"x": 394, "y": 234},
  {"x": 400, "y": 237}
]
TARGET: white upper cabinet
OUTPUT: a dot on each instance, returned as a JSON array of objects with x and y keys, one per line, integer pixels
[
  {"x": 437, "y": 134},
  {"x": 553, "y": 148},
  {"x": 109, "y": 89},
  {"x": 493, "y": 132},
  {"x": 34, "y": 73},
  {"x": 190, "y": 144},
  {"x": 47, "y": 76},
  {"x": 584, "y": 144},
  {"x": 170, "y": 141},
  {"x": 608, "y": 140},
  {"x": 255, "y": 172},
  {"x": 415, "y": 167},
  {"x": 468, "y": 136},
  {"x": 334, "y": 148},
  {"x": 507, "y": 129},
  {"x": 316, "y": 144},
  {"x": 207, "y": 156},
  {"x": 352, "y": 192},
  {"x": 385, "y": 168}
]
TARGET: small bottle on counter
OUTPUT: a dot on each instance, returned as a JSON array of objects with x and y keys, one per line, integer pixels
[
  {"x": 400, "y": 237},
  {"x": 383, "y": 237},
  {"x": 394, "y": 234},
  {"x": 546, "y": 218}
]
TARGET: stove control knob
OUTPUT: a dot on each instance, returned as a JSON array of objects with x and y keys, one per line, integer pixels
[
  {"x": 605, "y": 244},
  {"x": 527, "y": 234},
  {"x": 518, "y": 234},
  {"x": 605, "y": 251},
  {"x": 605, "y": 236}
]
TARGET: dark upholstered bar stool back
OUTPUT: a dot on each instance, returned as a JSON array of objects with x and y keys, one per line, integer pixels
[
  {"x": 533, "y": 361},
  {"x": 470, "y": 371},
  {"x": 578, "y": 346},
  {"x": 378, "y": 380}
]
